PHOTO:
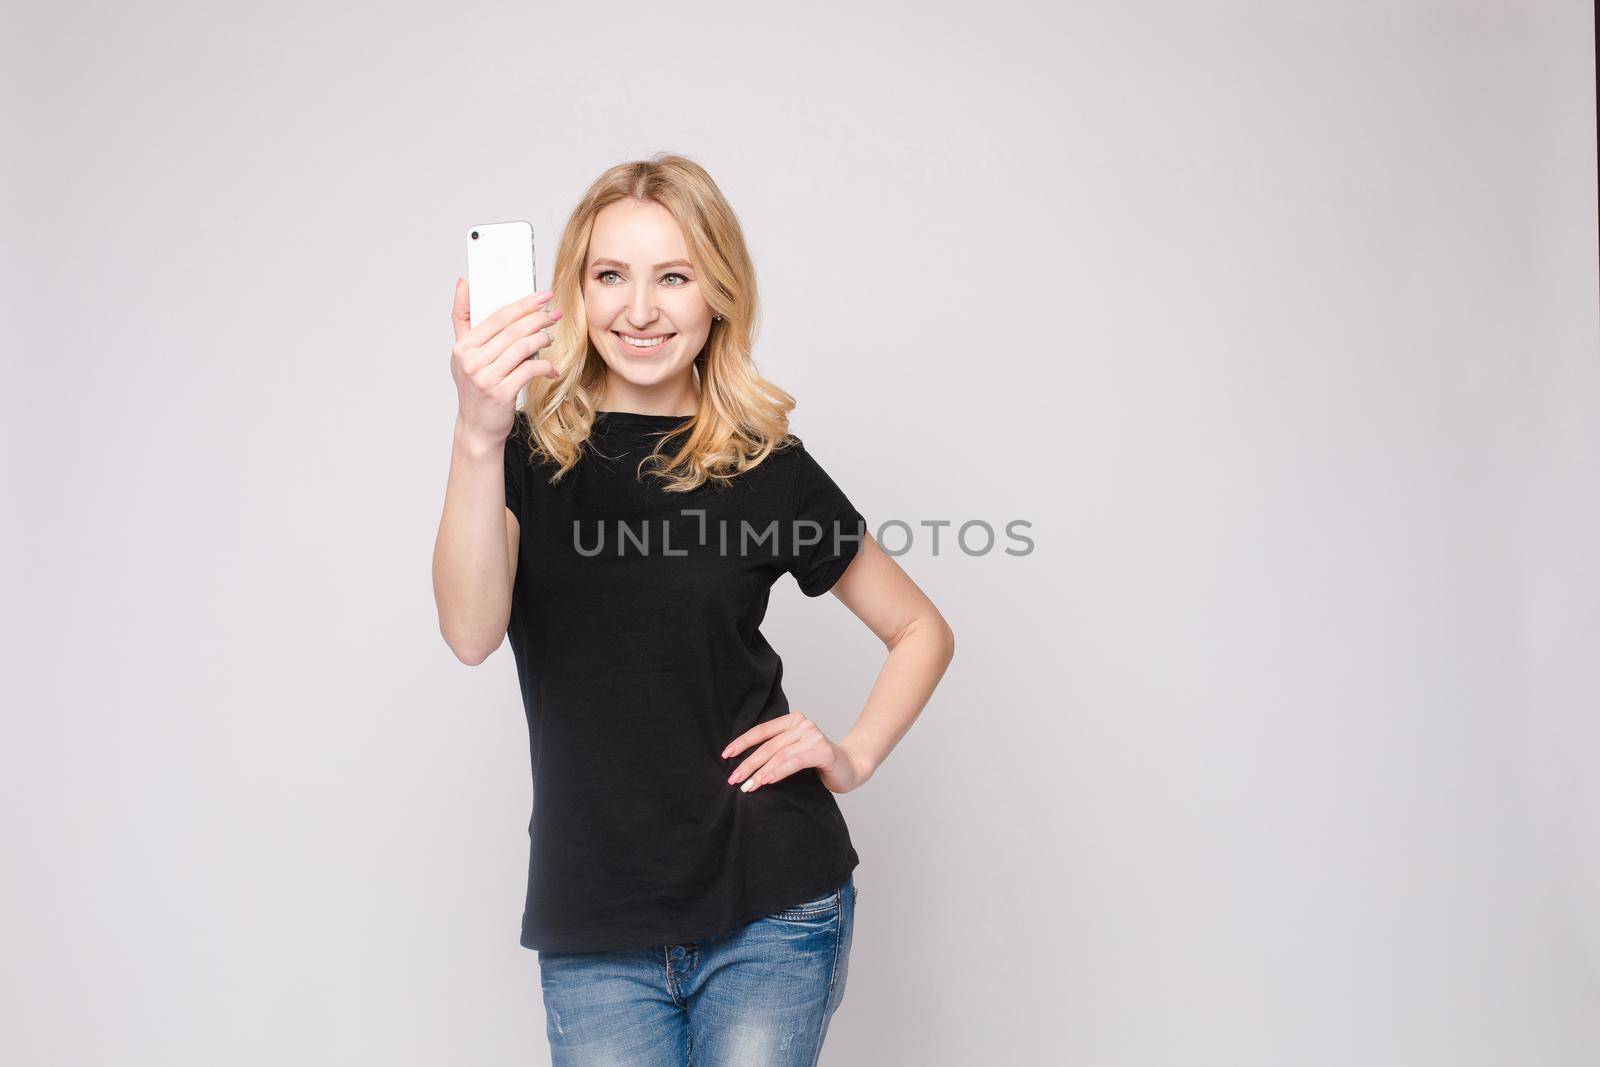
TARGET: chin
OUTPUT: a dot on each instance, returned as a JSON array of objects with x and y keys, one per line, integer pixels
[{"x": 645, "y": 374}]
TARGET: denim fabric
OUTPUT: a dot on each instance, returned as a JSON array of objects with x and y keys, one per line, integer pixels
[{"x": 760, "y": 995}]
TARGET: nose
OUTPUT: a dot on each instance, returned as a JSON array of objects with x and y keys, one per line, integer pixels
[{"x": 641, "y": 307}]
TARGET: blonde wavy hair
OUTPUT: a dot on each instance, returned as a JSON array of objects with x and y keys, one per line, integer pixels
[{"x": 742, "y": 417}]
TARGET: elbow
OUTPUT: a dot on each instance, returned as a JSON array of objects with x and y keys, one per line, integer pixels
[
  {"x": 470, "y": 658},
  {"x": 933, "y": 630},
  {"x": 469, "y": 652}
]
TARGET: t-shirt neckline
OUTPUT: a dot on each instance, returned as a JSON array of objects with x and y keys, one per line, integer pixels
[{"x": 639, "y": 419}]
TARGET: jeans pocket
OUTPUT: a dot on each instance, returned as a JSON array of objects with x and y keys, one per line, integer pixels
[{"x": 810, "y": 909}]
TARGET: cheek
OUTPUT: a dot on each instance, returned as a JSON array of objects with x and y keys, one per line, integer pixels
[
  {"x": 599, "y": 305},
  {"x": 693, "y": 316}
]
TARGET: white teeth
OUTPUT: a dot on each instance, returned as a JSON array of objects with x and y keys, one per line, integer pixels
[{"x": 636, "y": 343}]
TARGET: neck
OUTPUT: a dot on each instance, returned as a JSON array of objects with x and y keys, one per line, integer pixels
[{"x": 679, "y": 397}]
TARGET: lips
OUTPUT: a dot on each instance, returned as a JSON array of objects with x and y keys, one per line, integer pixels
[{"x": 643, "y": 351}]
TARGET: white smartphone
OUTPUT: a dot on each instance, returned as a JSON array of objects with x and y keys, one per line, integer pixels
[{"x": 500, "y": 267}]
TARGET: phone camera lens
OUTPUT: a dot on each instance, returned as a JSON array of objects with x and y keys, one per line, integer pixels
[{"x": 474, "y": 235}]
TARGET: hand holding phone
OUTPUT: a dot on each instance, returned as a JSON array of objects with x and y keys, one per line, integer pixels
[{"x": 499, "y": 329}]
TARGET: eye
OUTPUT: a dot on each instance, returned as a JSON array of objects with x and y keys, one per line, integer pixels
[{"x": 684, "y": 279}]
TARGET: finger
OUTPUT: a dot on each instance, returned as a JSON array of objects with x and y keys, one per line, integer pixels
[
  {"x": 527, "y": 372},
  {"x": 783, "y": 763},
  {"x": 522, "y": 351},
  {"x": 794, "y": 732},
  {"x": 759, "y": 732},
  {"x": 506, "y": 316},
  {"x": 524, "y": 365},
  {"x": 461, "y": 310},
  {"x": 500, "y": 344}
]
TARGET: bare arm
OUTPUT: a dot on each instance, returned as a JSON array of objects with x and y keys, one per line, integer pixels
[
  {"x": 921, "y": 645},
  {"x": 475, "y": 554}
]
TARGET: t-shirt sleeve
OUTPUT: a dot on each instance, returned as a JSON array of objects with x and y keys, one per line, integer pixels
[
  {"x": 827, "y": 530},
  {"x": 516, "y": 465}
]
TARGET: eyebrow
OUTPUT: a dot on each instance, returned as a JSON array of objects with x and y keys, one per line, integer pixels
[{"x": 624, "y": 266}]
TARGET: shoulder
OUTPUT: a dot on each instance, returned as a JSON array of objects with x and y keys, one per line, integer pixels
[
  {"x": 794, "y": 456},
  {"x": 522, "y": 453},
  {"x": 788, "y": 460},
  {"x": 805, "y": 479}
]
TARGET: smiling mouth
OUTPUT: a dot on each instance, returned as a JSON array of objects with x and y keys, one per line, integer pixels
[{"x": 637, "y": 344}]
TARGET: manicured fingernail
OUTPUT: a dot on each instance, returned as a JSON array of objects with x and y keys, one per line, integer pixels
[{"x": 751, "y": 784}]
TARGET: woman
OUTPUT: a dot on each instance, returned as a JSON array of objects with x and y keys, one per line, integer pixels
[{"x": 690, "y": 877}]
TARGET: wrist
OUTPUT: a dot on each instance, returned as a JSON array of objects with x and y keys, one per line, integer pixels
[
  {"x": 474, "y": 443},
  {"x": 863, "y": 764}
]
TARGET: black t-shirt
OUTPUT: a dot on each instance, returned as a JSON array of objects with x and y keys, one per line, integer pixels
[{"x": 635, "y": 623}]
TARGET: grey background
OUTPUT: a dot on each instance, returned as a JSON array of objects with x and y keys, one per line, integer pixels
[{"x": 1276, "y": 320}]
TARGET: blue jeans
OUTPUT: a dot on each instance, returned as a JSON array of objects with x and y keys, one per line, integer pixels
[{"x": 758, "y": 996}]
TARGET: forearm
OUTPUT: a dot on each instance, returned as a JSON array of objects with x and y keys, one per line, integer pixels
[
  {"x": 916, "y": 662},
  {"x": 472, "y": 574}
]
